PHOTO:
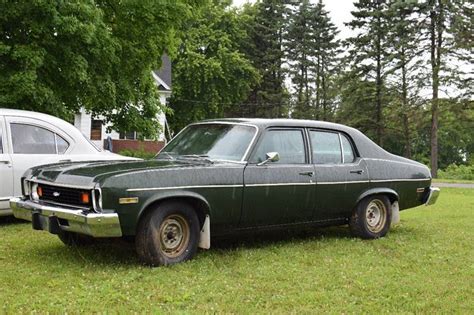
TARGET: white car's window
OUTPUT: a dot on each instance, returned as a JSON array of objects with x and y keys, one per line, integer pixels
[
  {"x": 29, "y": 139},
  {"x": 347, "y": 150},
  {"x": 61, "y": 144},
  {"x": 288, "y": 143},
  {"x": 326, "y": 147},
  {"x": 1, "y": 143}
]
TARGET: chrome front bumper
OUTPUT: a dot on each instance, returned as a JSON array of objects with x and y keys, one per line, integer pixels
[
  {"x": 56, "y": 219},
  {"x": 433, "y": 195}
]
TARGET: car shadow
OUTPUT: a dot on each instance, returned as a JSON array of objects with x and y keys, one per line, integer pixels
[
  {"x": 268, "y": 238},
  {"x": 9, "y": 220},
  {"x": 121, "y": 252}
]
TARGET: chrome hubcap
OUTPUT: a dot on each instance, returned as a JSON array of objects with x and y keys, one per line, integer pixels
[
  {"x": 174, "y": 235},
  {"x": 376, "y": 216}
]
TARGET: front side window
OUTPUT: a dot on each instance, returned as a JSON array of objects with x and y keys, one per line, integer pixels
[
  {"x": 288, "y": 143},
  {"x": 29, "y": 139},
  {"x": 214, "y": 141},
  {"x": 326, "y": 147}
]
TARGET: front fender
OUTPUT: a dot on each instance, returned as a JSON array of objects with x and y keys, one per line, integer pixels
[{"x": 164, "y": 195}]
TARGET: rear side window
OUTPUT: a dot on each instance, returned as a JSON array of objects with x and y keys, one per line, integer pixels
[
  {"x": 326, "y": 147},
  {"x": 347, "y": 150},
  {"x": 288, "y": 143},
  {"x": 29, "y": 139}
]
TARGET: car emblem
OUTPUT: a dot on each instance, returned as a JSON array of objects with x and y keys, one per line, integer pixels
[{"x": 56, "y": 194}]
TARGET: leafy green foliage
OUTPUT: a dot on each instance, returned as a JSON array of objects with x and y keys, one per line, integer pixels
[
  {"x": 141, "y": 153},
  {"x": 59, "y": 56},
  {"x": 453, "y": 171},
  {"x": 210, "y": 73}
]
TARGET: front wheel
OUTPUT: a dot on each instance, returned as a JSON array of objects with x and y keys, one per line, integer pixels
[
  {"x": 168, "y": 234},
  {"x": 371, "y": 217}
]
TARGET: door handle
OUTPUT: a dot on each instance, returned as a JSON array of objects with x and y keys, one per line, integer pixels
[
  {"x": 310, "y": 174},
  {"x": 357, "y": 172},
  {"x": 8, "y": 163},
  {"x": 64, "y": 161}
]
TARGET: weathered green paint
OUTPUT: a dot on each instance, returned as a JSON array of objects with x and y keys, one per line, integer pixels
[{"x": 241, "y": 196}]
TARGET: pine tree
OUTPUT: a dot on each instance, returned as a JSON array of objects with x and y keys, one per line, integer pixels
[
  {"x": 444, "y": 28},
  {"x": 299, "y": 52},
  {"x": 403, "y": 32},
  {"x": 368, "y": 52},
  {"x": 270, "y": 97},
  {"x": 327, "y": 49}
]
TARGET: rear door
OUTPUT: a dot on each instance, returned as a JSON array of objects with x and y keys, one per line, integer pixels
[
  {"x": 6, "y": 170},
  {"x": 341, "y": 176},
  {"x": 34, "y": 142}
]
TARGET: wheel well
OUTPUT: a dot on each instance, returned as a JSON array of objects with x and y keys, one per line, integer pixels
[
  {"x": 199, "y": 206},
  {"x": 392, "y": 195}
]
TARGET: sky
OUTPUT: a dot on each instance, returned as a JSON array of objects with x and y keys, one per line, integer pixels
[{"x": 339, "y": 11}]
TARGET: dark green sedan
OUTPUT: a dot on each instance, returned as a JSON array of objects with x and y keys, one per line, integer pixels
[{"x": 224, "y": 177}]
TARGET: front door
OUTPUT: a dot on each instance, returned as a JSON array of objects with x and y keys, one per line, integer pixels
[
  {"x": 341, "y": 176},
  {"x": 6, "y": 170},
  {"x": 33, "y": 143},
  {"x": 279, "y": 192}
]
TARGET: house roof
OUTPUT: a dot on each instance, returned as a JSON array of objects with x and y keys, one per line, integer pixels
[{"x": 163, "y": 75}]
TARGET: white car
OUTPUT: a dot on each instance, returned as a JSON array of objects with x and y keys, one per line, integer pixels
[{"x": 29, "y": 139}]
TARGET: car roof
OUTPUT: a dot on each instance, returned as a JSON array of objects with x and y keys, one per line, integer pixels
[
  {"x": 286, "y": 122},
  {"x": 365, "y": 146},
  {"x": 81, "y": 142},
  {"x": 30, "y": 114}
]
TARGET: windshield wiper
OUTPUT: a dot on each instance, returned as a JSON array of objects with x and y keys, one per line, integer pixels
[
  {"x": 197, "y": 157},
  {"x": 168, "y": 156}
]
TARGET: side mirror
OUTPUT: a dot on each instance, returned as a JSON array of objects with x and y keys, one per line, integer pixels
[{"x": 271, "y": 157}]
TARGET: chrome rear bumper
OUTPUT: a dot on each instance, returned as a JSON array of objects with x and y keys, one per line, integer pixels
[
  {"x": 432, "y": 196},
  {"x": 56, "y": 219}
]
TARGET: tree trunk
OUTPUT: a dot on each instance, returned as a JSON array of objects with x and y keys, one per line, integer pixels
[
  {"x": 379, "y": 86},
  {"x": 405, "y": 107},
  {"x": 436, "y": 31}
]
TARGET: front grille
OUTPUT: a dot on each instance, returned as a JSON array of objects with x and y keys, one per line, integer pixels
[{"x": 64, "y": 195}]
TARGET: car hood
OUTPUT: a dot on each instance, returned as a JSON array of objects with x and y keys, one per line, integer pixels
[{"x": 86, "y": 174}]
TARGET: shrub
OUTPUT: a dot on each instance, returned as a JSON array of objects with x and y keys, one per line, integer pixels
[
  {"x": 453, "y": 171},
  {"x": 142, "y": 154}
]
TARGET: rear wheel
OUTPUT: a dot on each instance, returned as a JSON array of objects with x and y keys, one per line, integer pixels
[
  {"x": 168, "y": 234},
  {"x": 75, "y": 239},
  {"x": 371, "y": 218}
]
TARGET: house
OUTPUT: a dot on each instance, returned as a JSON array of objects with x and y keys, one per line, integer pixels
[{"x": 95, "y": 130}]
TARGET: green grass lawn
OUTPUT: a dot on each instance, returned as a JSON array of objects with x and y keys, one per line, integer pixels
[{"x": 424, "y": 265}]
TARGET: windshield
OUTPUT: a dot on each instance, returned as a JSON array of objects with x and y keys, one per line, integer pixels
[{"x": 213, "y": 141}]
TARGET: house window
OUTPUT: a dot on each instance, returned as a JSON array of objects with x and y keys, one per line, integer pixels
[
  {"x": 132, "y": 135},
  {"x": 96, "y": 129}
]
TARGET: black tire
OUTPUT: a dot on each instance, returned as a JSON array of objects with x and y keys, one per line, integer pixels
[
  {"x": 168, "y": 234},
  {"x": 75, "y": 239},
  {"x": 365, "y": 222}
]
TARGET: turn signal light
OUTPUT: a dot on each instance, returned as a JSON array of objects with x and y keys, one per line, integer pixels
[
  {"x": 39, "y": 190},
  {"x": 85, "y": 198}
]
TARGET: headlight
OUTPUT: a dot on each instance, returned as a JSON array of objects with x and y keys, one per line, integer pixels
[{"x": 97, "y": 198}]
